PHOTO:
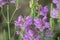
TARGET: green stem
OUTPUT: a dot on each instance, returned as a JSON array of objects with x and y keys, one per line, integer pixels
[
  {"x": 4, "y": 35},
  {"x": 9, "y": 30},
  {"x": 3, "y": 13},
  {"x": 33, "y": 9},
  {"x": 58, "y": 38},
  {"x": 51, "y": 7},
  {"x": 51, "y": 19},
  {"x": 8, "y": 23},
  {"x": 14, "y": 30},
  {"x": 13, "y": 14},
  {"x": 59, "y": 14}
]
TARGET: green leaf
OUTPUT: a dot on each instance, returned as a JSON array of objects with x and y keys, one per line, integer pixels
[
  {"x": 17, "y": 3},
  {"x": 58, "y": 20},
  {"x": 51, "y": 22},
  {"x": 4, "y": 34},
  {"x": 51, "y": 9},
  {"x": 51, "y": 19},
  {"x": 59, "y": 14},
  {"x": 49, "y": 39},
  {"x": 19, "y": 38},
  {"x": 58, "y": 38},
  {"x": 23, "y": 31},
  {"x": 42, "y": 39},
  {"x": 33, "y": 9}
]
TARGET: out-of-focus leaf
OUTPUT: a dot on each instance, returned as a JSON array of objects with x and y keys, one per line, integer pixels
[
  {"x": 51, "y": 22},
  {"x": 58, "y": 38},
  {"x": 49, "y": 39},
  {"x": 4, "y": 34},
  {"x": 23, "y": 32},
  {"x": 51, "y": 19},
  {"x": 33, "y": 8},
  {"x": 51, "y": 7},
  {"x": 59, "y": 15},
  {"x": 17, "y": 3},
  {"x": 19, "y": 38}
]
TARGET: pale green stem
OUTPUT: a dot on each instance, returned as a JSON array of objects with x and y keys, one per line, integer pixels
[
  {"x": 51, "y": 19},
  {"x": 13, "y": 14},
  {"x": 4, "y": 35},
  {"x": 3, "y": 13},
  {"x": 58, "y": 38},
  {"x": 33, "y": 9},
  {"x": 58, "y": 15},
  {"x": 8, "y": 22}
]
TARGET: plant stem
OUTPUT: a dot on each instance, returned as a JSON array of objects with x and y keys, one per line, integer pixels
[
  {"x": 9, "y": 29},
  {"x": 4, "y": 35},
  {"x": 13, "y": 14},
  {"x": 3, "y": 13},
  {"x": 33, "y": 9},
  {"x": 59, "y": 14},
  {"x": 8, "y": 22},
  {"x": 51, "y": 19}
]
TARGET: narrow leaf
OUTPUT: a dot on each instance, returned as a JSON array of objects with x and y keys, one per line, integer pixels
[
  {"x": 17, "y": 3},
  {"x": 59, "y": 14},
  {"x": 4, "y": 34}
]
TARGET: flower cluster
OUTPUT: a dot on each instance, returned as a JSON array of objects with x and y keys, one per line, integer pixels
[
  {"x": 37, "y": 28},
  {"x": 57, "y": 2},
  {"x": 44, "y": 10},
  {"x": 55, "y": 10},
  {"x": 55, "y": 13},
  {"x": 32, "y": 34}
]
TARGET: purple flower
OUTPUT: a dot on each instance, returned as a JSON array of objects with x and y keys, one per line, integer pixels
[
  {"x": 55, "y": 13},
  {"x": 42, "y": 28},
  {"x": 38, "y": 37},
  {"x": 27, "y": 37},
  {"x": 47, "y": 25},
  {"x": 17, "y": 23},
  {"x": 37, "y": 22},
  {"x": 30, "y": 32},
  {"x": 28, "y": 21},
  {"x": 45, "y": 18},
  {"x": 44, "y": 10},
  {"x": 56, "y": 1},
  {"x": 18, "y": 32},
  {"x": 3, "y": 2},
  {"x": 48, "y": 34}
]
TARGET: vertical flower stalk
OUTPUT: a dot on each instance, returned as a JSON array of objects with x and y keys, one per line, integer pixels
[
  {"x": 8, "y": 22},
  {"x": 51, "y": 19},
  {"x": 3, "y": 13},
  {"x": 4, "y": 35},
  {"x": 33, "y": 8},
  {"x": 59, "y": 14}
]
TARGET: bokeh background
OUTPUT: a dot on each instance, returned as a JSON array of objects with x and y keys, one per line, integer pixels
[{"x": 24, "y": 10}]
